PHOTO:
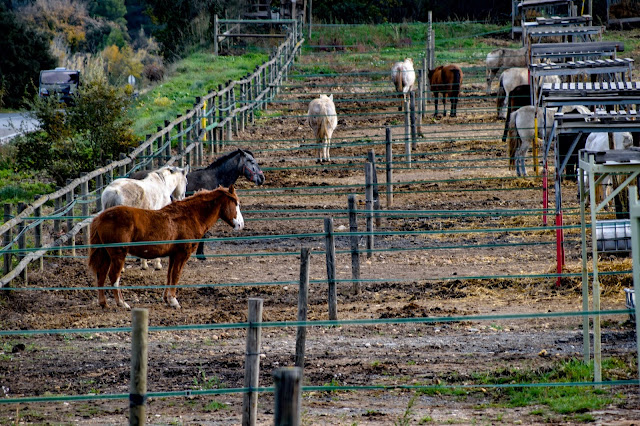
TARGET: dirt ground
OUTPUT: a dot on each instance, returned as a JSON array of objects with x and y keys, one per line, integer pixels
[{"x": 412, "y": 275}]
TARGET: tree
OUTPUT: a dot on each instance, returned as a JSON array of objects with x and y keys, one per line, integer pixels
[
  {"x": 80, "y": 137},
  {"x": 24, "y": 51}
]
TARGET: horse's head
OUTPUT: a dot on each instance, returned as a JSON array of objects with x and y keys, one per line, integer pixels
[
  {"x": 178, "y": 178},
  {"x": 230, "y": 209},
  {"x": 250, "y": 168}
]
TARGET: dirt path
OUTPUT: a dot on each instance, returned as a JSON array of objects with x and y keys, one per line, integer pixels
[{"x": 414, "y": 275}]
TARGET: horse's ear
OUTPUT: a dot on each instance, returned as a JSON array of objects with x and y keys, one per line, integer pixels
[
  {"x": 331, "y": 96},
  {"x": 232, "y": 190},
  {"x": 186, "y": 170}
]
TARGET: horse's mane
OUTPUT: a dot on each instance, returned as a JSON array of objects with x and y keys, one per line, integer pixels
[
  {"x": 219, "y": 161},
  {"x": 202, "y": 195}
]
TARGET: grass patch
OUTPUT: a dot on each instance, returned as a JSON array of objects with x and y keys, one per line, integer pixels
[
  {"x": 193, "y": 76},
  {"x": 566, "y": 400}
]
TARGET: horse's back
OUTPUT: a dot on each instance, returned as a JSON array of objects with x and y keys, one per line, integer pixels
[{"x": 447, "y": 78}]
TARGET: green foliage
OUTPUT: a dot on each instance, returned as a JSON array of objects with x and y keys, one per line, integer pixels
[
  {"x": 560, "y": 399},
  {"x": 25, "y": 51},
  {"x": 80, "y": 137},
  {"x": 205, "y": 383},
  {"x": 214, "y": 406},
  {"x": 194, "y": 75},
  {"x": 113, "y": 10}
]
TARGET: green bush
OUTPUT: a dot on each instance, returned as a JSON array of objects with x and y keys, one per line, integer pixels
[{"x": 81, "y": 137}]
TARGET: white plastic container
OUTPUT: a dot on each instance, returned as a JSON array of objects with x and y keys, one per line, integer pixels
[{"x": 613, "y": 235}]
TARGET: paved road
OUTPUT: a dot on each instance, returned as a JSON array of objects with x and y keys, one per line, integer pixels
[{"x": 13, "y": 124}]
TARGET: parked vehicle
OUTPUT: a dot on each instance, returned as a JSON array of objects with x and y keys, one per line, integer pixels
[{"x": 59, "y": 82}]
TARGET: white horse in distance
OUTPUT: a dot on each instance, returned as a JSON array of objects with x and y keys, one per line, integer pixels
[
  {"x": 403, "y": 77},
  {"x": 322, "y": 118}
]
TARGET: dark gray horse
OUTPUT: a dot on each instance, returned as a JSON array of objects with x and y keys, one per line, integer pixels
[{"x": 223, "y": 171}]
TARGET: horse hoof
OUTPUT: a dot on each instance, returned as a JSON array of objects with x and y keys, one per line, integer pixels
[
  {"x": 124, "y": 304},
  {"x": 145, "y": 266},
  {"x": 173, "y": 302},
  {"x": 157, "y": 267}
]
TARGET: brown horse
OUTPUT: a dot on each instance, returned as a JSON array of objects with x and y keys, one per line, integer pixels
[
  {"x": 188, "y": 219},
  {"x": 446, "y": 79}
]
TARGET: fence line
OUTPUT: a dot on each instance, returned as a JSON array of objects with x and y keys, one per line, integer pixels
[{"x": 254, "y": 91}]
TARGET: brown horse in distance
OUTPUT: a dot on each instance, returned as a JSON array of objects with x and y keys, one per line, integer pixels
[
  {"x": 446, "y": 80},
  {"x": 188, "y": 219}
]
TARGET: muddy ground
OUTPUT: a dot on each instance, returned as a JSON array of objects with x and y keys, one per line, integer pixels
[{"x": 417, "y": 275}]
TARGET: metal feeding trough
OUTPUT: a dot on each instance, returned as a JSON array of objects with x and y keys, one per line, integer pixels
[
  {"x": 630, "y": 301},
  {"x": 613, "y": 235}
]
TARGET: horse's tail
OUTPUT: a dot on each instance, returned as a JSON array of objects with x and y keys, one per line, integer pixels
[
  {"x": 502, "y": 94},
  {"x": 98, "y": 256},
  {"x": 111, "y": 197},
  {"x": 512, "y": 141},
  {"x": 398, "y": 79},
  {"x": 457, "y": 80}
]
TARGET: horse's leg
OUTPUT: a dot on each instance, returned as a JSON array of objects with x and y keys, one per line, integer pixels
[
  {"x": 444, "y": 105},
  {"x": 117, "y": 263},
  {"x": 176, "y": 263},
  {"x": 101, "y": 269},
  {"x": 200, "y": 251},
  {"x": 325, "y": 148},
  {"x": 435, "y": 103}
]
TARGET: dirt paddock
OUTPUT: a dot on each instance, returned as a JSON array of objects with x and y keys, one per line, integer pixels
[{"x": 413, "y": 274}]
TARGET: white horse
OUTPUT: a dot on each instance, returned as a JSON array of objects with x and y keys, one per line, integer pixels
[
  {"x": 403, "y": 77},
  {"x": 509, "y": 80},
  {"x": 322, "y": 118},
  {"x": 504, "y": 58},
  {"x": 601, "y": 141},
  {"x": 152, "y": 193},
  {"x": 521, "y": 132}
]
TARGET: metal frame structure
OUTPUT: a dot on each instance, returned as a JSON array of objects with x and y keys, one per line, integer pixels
[
  {"x": 521, "y": 7},
  {"x": 581, "y": 33},
  {"x": 604, "y": 164}
]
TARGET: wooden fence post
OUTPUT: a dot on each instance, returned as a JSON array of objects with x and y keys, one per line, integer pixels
[
  {"x": 180, "y": 143},
  {"x": 22, "y": 241},
  {"x": 368, "y": 202},
  {"x": 84, "y": 199},
  {"x": 122, "y": 170},
  {"x": 355, "y": 252},
  {"x": 252, "y": 363},
  {"x": 57, "y": 206},
  {"x": 425, "y": 94},
  {"x": 407, "y": 141},
  {"x": 412, "y": 115},
  {"x": 371, "y": 155},
  {"x": 70, "y": 197},
  {"x": 6, "y": 267},
  {"x": 216, "y": 28},
  {"x": 99, "y": 188},
  {"x": 303, "y": 297},
  {"x": 138, "y": 379},
  {"x": 167, "y": 142},
  {"x": 38, "y": 232},
  {"x": 389, "y": 167},
  {"x": 330, "y": 250},
  {"x": 287, "y": 396},
  {"x": 188, "y": 156}
]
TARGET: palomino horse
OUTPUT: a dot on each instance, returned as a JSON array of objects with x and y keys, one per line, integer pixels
[
  {"x": 188, "y": 219},
  {"x": 504, "y": 58},
  {"x": 403, "y": 77},
  {"x": 446, "y": 80},
  {"x": 224, "y": 171},
  {"x": 322, "y": 118},
  {"x": 153, "y": 192}
]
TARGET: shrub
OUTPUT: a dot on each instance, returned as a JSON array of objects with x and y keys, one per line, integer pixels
[
  {"x": 154, "y": 71},
  {"x": 80, "y": 137}
]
